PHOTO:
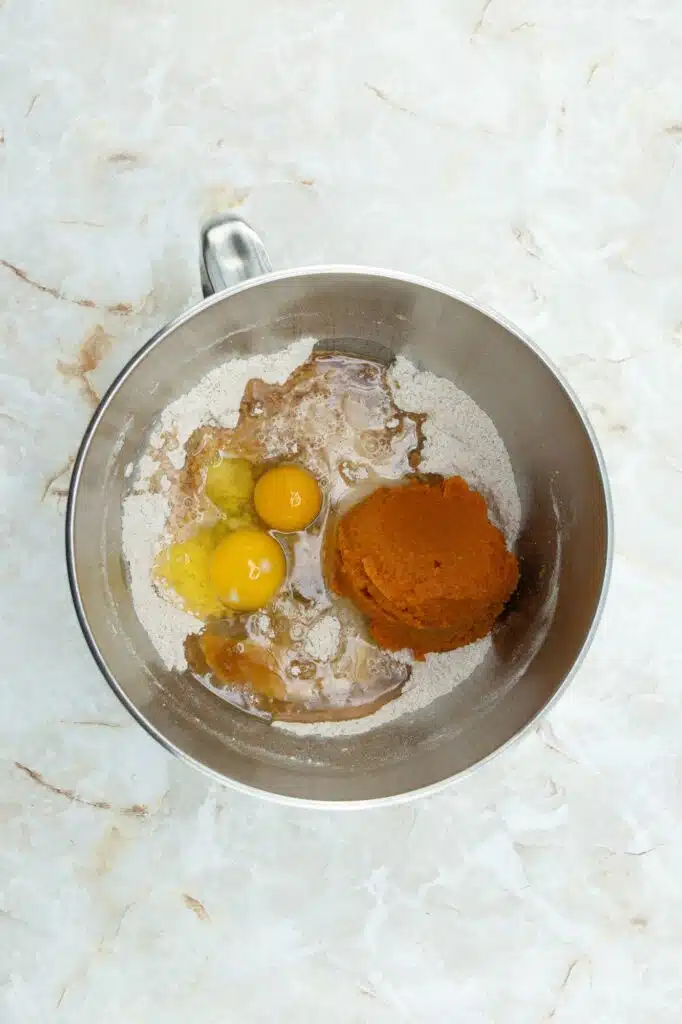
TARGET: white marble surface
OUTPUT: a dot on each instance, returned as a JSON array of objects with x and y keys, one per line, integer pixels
[{"x": 526, "y": 152}]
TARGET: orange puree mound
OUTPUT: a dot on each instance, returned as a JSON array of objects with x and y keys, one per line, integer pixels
[{"x": 424, "y": 563}]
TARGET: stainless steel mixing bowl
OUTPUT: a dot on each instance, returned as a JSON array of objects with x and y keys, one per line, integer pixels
[{"x": 564, "y": 547}]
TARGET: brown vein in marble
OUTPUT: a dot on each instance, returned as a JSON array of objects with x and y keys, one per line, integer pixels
[
  {"x": 567, "y": 977},
  {"x": 90, "y": 354},
  {"x": 124, "y": 157},
  {"x": 104, "y": 725},
  {"x": 387, "y": 99},
  {"x": 479, "y": 24},
  {"x": 124, "y": 161},
  {"x": 631, "y": 853},
  {"x": 571, "y": 967},
  {"x": 196, "y": 906},
  {"x": 585, "y": 357},
  {"x": 133, "y": 811},
  {"x": 593, "y": 70},
  {"x": 394, "y": 105},
  {"x": 117, "y": 930},
  {"x": 118, "y": 308},
  {"x": 83, "y": 223},
  {"x": 80, "y": 974},
  {"x": 49, "y": 486},
  {"x": 92, "y": 397}
]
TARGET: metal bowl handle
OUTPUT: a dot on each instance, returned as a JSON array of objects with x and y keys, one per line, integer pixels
[{"x": 231, "y": 252}]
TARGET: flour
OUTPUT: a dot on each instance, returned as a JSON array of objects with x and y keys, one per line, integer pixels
[
  {"x": 144, "y": 534},
  {"x": 459, "y": 439},
  {"x": 216, "y": 398},
  {"x": 322, "y": 639},
  {"x": 430, "y": 679}
]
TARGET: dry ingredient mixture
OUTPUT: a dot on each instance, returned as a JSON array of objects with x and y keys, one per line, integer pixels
[{"x": 348, "y": 424}]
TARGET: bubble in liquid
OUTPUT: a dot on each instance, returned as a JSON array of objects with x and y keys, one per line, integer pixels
[{"x": 303, "y": 669}]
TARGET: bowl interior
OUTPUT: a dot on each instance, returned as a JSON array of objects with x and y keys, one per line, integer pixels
[{"x": 563, "y": 545}]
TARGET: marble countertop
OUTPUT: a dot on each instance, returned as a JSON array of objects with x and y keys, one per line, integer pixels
[{"x": 526, "y": 153}]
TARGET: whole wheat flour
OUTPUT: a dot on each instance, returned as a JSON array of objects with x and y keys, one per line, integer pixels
[
  {"x": 322, "y": 639},
  {"x": 459, "y": 439},
  {"x": 430, "y": 679}
]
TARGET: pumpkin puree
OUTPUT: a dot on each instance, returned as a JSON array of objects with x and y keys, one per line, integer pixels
[{"x": 424, "y": 563}]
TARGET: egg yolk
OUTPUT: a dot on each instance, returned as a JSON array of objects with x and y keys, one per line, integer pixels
[
  {"x": 184, "y": 566},
  {"x": 287, "y": 498},
  {"x": 229, "y": 485},
  {"x": 247, "y": 569}
]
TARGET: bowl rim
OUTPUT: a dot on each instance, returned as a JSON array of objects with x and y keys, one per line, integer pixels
[{"x": 321, "y": 270}]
